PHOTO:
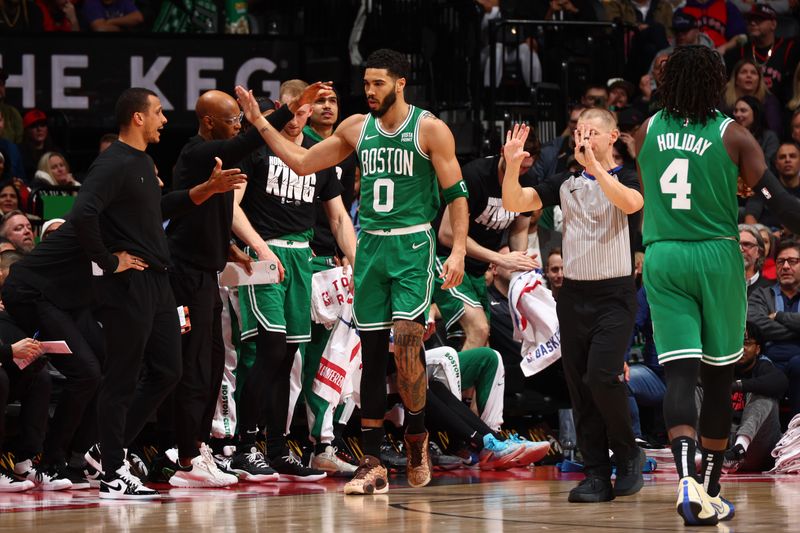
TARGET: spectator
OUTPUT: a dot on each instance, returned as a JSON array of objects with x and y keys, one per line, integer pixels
[
  {"x": 720, "y": 20},
  {"x": 58, "y": 15},
  {"x": 554, "y": 155},
  {"x": 20, "y": 16},
  {"x": 13, "y": 120},
  {"x": 769, "y": 271},
  {"x": 653, "y": 22},
  {"x": 686, "y": 30},
  {"x": 646, "y": 386},
  {"x": 746, "y": 80},
  {"x": 620, "y": 94},
  {"x": 648, "y": 102},
  {"x": 795, "y": 125},
  {"x": 9, "y": 197},
  {"x": 749, "y": 112},
  {"x": 105, "y": 141},
  {"x": 36, "y": 141},
  {"x": 794, "y": 98},
  {"x": 594, "y": 96},
  {"x": 111, "y": 15},
  {"x": 16, "y": 228},
  {"x": 11, "y": 156},
  {"x": 774, "y": 313},
  {"x": 629, "y": 120},
  {"x": 53, "y": 171},
  {"x": 508, "y": 49},
  {"x": 752, "y": 246},
  {"x": 756, "y": 391},
  {"x": 787, "y": 164},
  {"x": 554, "y": 271},
  {"x": 776, "y": 57}
]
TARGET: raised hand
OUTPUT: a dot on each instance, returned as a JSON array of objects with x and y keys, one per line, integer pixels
[
  {"x": 311, "y": 94},
  {"x": 514, "y": 149},
  {"x": 248, "y": 104},
  {"x": 222, "y": 181}
]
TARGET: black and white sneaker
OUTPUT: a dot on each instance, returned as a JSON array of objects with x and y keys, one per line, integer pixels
[
  {"x": 44, "y": 477},
  {"x": 94, "y": 458},
  {"x": 10, "y": 483},
  {"x": 93, "y": 476},
  {"x": 291, "y": 468},
  {"x": 123, "y": 485},
  {"x": 248, "y": 466},
  {"x": 76, "y": 476}
]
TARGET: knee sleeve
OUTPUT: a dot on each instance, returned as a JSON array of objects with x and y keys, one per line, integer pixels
[
  {"x": 679, "y": 404},
  {"x": 716, "y": 411},
  {"x": 375, "y": 358}
]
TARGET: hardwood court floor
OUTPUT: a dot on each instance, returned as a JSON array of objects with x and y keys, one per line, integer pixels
[{"x": 516, "y": 500}]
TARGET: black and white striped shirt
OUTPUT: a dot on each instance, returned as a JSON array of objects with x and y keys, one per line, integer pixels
[{"x": 597, "y": 235}]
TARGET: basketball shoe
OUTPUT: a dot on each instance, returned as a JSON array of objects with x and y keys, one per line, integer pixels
[
  {"x": 202, "y": 473},
  {"x": 499, "y": 454},
  {"x": 249, "y": 466},
  {"x": 329, "y": 462},
  {"x": 533, "y": 451},
  {"x": 371, "y": 477},
  {"x": 418, "y": 457},
  {"x": 694, "y": 505},
  {"x": 44, "y": 478},
  {"x": 291, "y": 468},
  {"x": 9, "y": 482}
]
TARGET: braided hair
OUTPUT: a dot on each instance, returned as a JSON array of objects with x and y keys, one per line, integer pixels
[{"x": 693, "y": 81}]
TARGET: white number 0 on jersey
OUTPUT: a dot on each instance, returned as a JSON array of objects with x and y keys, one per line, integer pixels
[
  {"x": 387, "y": 203},
  {"x": 679, "y": 186}
]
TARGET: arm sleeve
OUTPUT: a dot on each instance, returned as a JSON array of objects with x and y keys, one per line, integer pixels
[
  {"x": 100, "y": 188},
  {"x": 754, "y": 206},
  {"x": 176, "y": 203}
]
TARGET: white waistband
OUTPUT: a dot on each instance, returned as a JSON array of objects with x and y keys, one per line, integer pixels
[
  {"x": 400, "y": 231},
  {"x": 280, "y": 243}
]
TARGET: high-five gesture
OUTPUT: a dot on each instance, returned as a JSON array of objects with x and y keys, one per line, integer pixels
[{"x": 514, "y": 149}]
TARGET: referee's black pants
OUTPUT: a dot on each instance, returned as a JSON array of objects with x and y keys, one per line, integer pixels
[
  {"x": 140, "y": 323},
  {"x": 596, "y": 320},
  {"x": 78, "y": 327},
  {"x": 203, "y": 356}
]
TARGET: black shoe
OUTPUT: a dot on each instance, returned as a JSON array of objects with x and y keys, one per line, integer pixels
[
  {"x": 161, "y": 469},
  {"x": 441, "y": 460},
  {"x": 391, "y": 457},
  {"x": 591, "y": 490},
  {"x": 122, "y": 485},
  {"x": 75, "y": 475},
  {"x": 629, "y": 475},
  {"x": 291, "y": 468}
]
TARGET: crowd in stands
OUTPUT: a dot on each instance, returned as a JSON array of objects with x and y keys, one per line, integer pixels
[{"x": 759, "y": 45}]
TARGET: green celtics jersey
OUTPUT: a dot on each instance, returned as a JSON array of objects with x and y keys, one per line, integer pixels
[
  {"x": 689, "y": 181},
  {"x": 398, "y": 183}
]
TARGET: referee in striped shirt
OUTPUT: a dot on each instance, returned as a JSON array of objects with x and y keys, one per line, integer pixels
[{"x": 597, "y": 302}]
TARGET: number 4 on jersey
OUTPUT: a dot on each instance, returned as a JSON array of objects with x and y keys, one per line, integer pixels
[{"x": 679, "y": 186}]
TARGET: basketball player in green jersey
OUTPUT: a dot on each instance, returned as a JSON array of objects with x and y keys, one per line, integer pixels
[
  {"x": 406, "y": 155},
  {"x": 690, "y": 155}
]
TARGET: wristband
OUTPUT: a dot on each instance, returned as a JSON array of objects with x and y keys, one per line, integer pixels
[{"x": 457, "y": 190}]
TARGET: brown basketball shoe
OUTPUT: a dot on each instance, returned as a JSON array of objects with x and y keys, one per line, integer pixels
[
  {"x": 370, "y": 478},
  {"x": 418, "y": 468}
]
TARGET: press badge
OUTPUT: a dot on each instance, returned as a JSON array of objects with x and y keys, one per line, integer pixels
[{"x": 183, "y": 319}]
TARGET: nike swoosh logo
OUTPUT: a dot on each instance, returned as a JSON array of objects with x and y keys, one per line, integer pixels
[
  {"x": 494, "y": 303},
  {"x": 720, "y": 509},
  {"x": 116, "y": 486},
  {"x": 573, "y": 190},
  {"x": 418, "y": 245},
  {"x": 369, "y": 137}
]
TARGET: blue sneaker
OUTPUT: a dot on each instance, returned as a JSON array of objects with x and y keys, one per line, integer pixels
[
  {"x": 534, "y": 451},
  {"x": 694, "y": 504},
  {"x": 498, "y": 454},
  {"x": 725, "y": 509}
]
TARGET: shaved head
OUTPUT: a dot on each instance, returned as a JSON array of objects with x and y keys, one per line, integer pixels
[{"x": 218, "y": 114}]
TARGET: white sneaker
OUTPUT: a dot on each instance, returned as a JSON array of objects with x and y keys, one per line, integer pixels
[
  {"x": 329, "y": 462},
  {"x": 694, "y": 504},
  {"x": 42, "y": 479},
  {"x": 203, "y": 473},
  {"x": 125, "y": 486},
  {"x": 8, "y": 483}
]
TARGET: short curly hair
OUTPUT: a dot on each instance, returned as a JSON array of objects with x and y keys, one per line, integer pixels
[{"x": 394, "y": 62}]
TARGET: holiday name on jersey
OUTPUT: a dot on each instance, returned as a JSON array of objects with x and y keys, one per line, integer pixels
[
  {"x": 682, "y": 141},
  {"x": 387, "y": 160},
  {"x": 284, "y": 183}
]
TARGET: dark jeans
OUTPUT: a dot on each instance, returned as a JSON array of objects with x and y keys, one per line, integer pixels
[
  {"x": 792, "y": 370},
  {"x": 644, "y": 388},
  {"x": 596, "y": 320},
  {"x": 140, "y": 323}
]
